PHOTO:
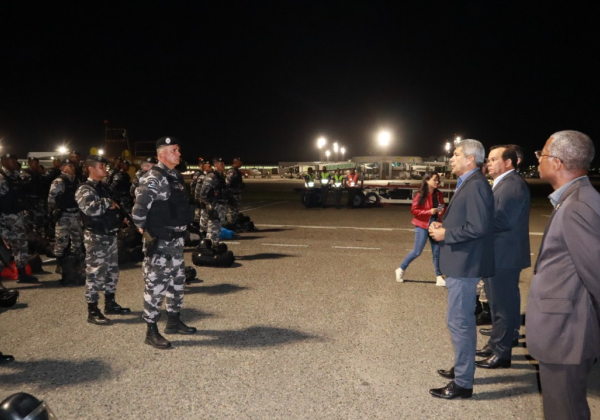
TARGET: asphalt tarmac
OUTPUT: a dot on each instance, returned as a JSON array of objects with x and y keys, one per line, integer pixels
[{"x": 309, "y": 323}]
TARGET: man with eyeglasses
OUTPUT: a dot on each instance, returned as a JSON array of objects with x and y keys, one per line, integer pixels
[{"x": 563, "y": 307}]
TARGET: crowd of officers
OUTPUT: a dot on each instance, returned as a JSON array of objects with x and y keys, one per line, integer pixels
[
  {"x": 336, "y": 181},
  {"x": 82, "y": 206}
]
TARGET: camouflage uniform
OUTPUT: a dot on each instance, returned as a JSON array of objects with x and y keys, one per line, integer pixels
[
  {"x": 136, "y": 182},
  {"x": 235, "y": 183},
  {"x": 68, "y": 225},
  {"x": 212, "y": 194},
  {"x": 121, "y": 185},
  {"x": 36, "y": 213},
  {"x": 201, "y": 205},
  {"x": 12, "y": 221},
  {"x": 101, "y": 260},
  {"x": 163, "y": 265}
]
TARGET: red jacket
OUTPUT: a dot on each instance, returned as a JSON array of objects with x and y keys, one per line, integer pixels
[{"x": 423, "y": 213}]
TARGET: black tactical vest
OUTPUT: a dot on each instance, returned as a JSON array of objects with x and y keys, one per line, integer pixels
[
  {"x": 107, "y": 223},
  {"x": 124, "y": 184},
  {"x": 13, "y": 201},
  {"x": 67, "y": 198},
  {"x": 34, "y": 185},
  {"x": 236, "y": 180}
]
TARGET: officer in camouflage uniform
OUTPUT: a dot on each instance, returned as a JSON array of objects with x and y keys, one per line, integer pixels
[
  {"x": 101, "y": 220},
  {"x": 213, "y": 195},
  {"x": 75, "y": 157},
  {"x": 65, "y": 212},
  {"x": 162, "y": 213},
  {"x": 235, "y": 183},
  {"x": 206, "y": 168},
  {"x": 121, "y": 186},
  {"x": 33, "y": 185},
  {"x": 12, "y": 219},
  {"x": 115, "y": 168},
  {"x": 145, "y": 166}
]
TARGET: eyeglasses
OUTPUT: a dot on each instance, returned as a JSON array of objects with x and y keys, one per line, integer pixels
[{"x": 539, "y": 155}]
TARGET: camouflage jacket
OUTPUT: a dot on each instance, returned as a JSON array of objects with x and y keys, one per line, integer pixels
[
  {"x": 136, "y": 182},
  {"x": 4, "y": 184},
  {"x": 89, "y": 202},
  {"x": 213, "y": 188},
  {"x": 153, "y": 186},
  {"x": 56, "y": 188},
  {"x": 234, "y": 180},
  {"x": 198, "y": 187}
]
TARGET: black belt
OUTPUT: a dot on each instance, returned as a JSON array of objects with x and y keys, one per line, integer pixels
[{"x": 71, "y": 210}]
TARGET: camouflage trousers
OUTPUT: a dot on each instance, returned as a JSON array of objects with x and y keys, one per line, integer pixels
[
  {"x": 12, "y": 229},
  {"x": 203, "y": 220},
  {"x": 233, "y": 208},
  {"x": 481, "y": 291},
  {"x": 214, "y": 224},
  {"x": 68, "y": 227},
  {"x": 163, "y": 273},
  {"x": 36, "y": 215},
  {"x": 101, "y": 264}
]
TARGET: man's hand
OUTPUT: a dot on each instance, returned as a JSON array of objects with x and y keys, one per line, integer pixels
[
  {"x": 437, "y": 232},
  {"x": 114, "y": 205},
  {"x": 141, "y": 230}
]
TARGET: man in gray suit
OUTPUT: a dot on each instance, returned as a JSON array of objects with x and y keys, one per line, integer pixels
[
  {"x": 563, "y": 324},
  {"x": 466, "y": 255},
  {"x": 512, "y": 254}
]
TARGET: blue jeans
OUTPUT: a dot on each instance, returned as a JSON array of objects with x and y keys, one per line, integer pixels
[{"x": 421, "y": 237}]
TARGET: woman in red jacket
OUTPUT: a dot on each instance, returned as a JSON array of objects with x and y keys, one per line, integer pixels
[{"x": 427, "y": 206}]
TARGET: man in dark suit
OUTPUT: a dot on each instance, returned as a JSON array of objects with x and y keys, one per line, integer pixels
[
  {"x": 466, "y": 255},
  {"x": 563, "y": 308},
  {"x": 512, "y": 254}
]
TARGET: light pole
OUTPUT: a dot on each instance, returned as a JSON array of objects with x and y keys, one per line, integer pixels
[
  {"x": 327, "y": 153},
  {"x": 384, "y": 138},
  {"x": 336, "y": 149},
  {"x": 321, "y": 142},
  {"x": 343, "y": 150},
  {"x": 457, "y": 140}
]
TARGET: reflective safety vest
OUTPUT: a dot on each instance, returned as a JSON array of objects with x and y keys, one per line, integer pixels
[
  {"x": 337, "y": 180},
  {"x": 352, "y": 180},
  {"x": 325, "y": 177},
  {"x": 309, "y": 180}
]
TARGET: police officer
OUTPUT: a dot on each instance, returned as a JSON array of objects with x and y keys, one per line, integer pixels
[
  {"x": 338, "y": 186},
  {"x": 162, "y": 213},
  {"x": 101, "y": 220},
  {"x": 54, "y": 172},
  {"x": 352, "y": 184},
  {"x": 65, "y": 212},
  {"x": 206, "y": 168},
  {"x": 33, "y": 185},
  {"x": 75, "y": 157},
  {"x": 145, "y": 166},
  {"x": 325, "y": 178},
  {"x": 115, "y": 168},
  {"x": 12, "y": 219},
  {"x": 213, "y": 195},
  {"x": 234, "y": 181},
  {"x": 121, "y": 186}
]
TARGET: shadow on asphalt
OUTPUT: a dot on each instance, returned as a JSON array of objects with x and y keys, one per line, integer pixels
[
  {"x": 238, "y": 238},
  {"x": 252, "y": 337},
  {"x": 503, "y": 394},
  {"x": 263, "y": 256},
  {"x": 217, "y": 289},
  {"x": 187, "y": 315},
  {"x": 272, "y": 230},
  {"x": 50, "y": 374},
  {"x": 432, "y": 282}
]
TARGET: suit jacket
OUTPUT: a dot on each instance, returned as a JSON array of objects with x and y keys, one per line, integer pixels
[
  {"x": 468, "y": 246},
  {"x": 562, "y": 320},
  {"x": 511, "y": 223}
]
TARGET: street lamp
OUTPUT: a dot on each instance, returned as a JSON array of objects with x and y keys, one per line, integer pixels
[
  {"x": 383, "y": 138},
  {"x": 321, "y": 142},
  {"x": 100, "y": 152},
  {"x": 327, "y": 153},
  {"x": 343, "y": 150},
  {"x": 457, "y": 140},
  {"x": 62, "y": 150},
  {"x": 336, "y": 149}
]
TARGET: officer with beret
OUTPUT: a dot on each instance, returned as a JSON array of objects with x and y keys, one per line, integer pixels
[
  {"x": 162, "y": 213},
  {"x": 65, "y": 212},
  {"x": 145, "y": 166},
  {"x": 101, "y": 220},
  {"x": 205, "y": 169},
  {"x": 235, "y": 183},
  {"x": 12, "y": 218},
  {"x": 213, "y": 195}
]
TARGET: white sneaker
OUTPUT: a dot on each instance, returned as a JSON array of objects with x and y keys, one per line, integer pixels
[
  {"x": 440, "y": 281},
  {"x": 399, "y": 275}
]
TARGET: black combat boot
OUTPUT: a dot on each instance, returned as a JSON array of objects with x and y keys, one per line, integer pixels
[
  {"x": 111, "y": 307},
  {"x": 59, "y": 265},
  {"x": 175, "y": 326},
  {"x": 24, "y": 277},
  {"x": 485, "y": 316},
  {"x": 154, "y": 338},
  {"x": 95, "y": 316}
]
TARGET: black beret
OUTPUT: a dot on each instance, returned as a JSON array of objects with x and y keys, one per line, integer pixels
[
  {"x": 67, "y": 161},
  {"x": 217, "y": 160},
  {"x": 126, "y": 162},
  {"x": 151, "y": 159},
  {"x": 8, "y": 156},
  {"x": 96, "y": 158},
  {"x": 238, "y": 158},
  {"x": 166, "y": 141},
  {"x": 74, "y": 152},
  {"x": 30, "y": 158}
]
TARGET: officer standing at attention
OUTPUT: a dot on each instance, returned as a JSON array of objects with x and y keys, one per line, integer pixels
[
  {"x": 205, "y": 168},
  {"x": 338, "y": 185},
  {"x": 234, "y": 181},
  {"x": 121, "y": 186},
  {"x": 33, "y": 186},
  {"x": 145, "y": 166},
  {"x": 352, "y": 184},
  {"x": 65, "y": 211},
  {"x": 75, "y": 157},
  {"x": 212, "y": 194},
  {"x": 115, "y": 168},
  {"x": 101, "y": 220},
  {"x": 162, "y": 213},
  {"x": 325, "y": 179},
  {"x": 12, "y": 218}
]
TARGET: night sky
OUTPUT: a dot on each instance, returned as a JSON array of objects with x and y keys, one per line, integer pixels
[{"x": 263, "y": 80}]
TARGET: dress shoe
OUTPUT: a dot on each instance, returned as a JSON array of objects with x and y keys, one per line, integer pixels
[
  {"x": 493, "y": 362},
  {"x": 486, "y": 351},
  {"x": 4, "y": 358},
  {"x": 486, "y": 331},
  {"x": 451, "y": 391},
  {"x": 448, "y": 374},
  {"x": 485, "y": 316}
]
